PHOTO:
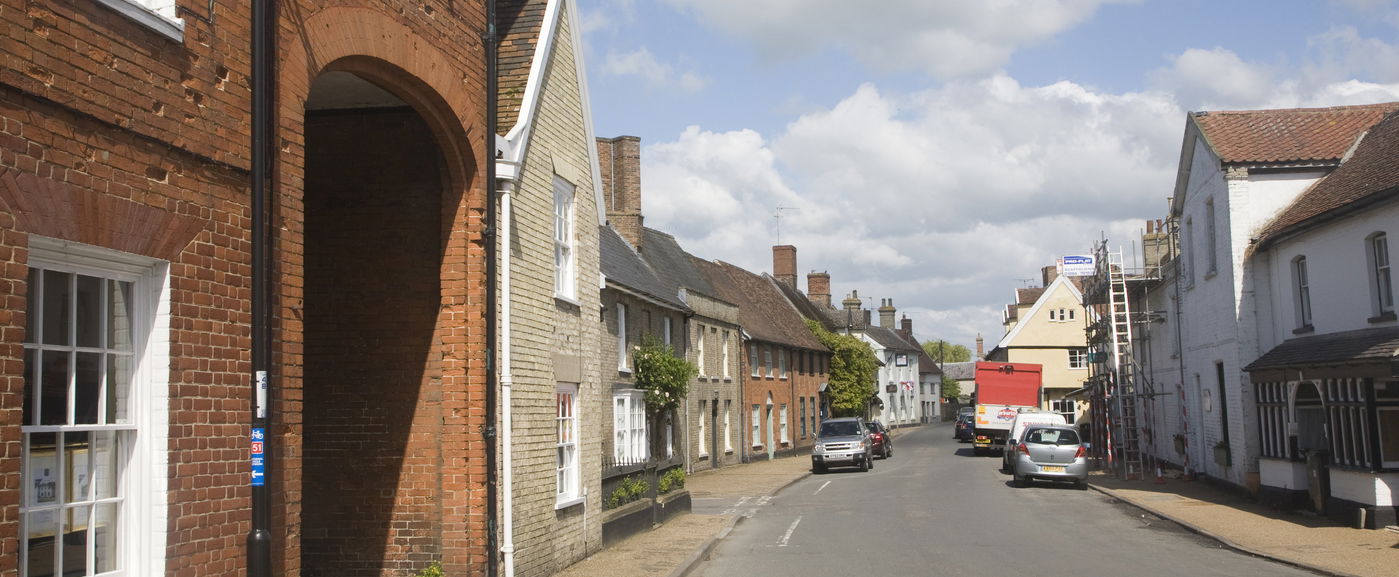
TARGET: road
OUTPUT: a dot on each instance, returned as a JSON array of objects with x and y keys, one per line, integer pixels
[{"x": 934, "y": 509}]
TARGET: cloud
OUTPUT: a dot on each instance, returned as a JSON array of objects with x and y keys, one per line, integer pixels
[
  {"x": 654, "y": 73},
  {"x": 942, "y": 39}
]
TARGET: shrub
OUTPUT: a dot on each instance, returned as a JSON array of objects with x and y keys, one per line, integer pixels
[
  {"x": 633, "y": 487},
  {"x": 671, "y": 480}
]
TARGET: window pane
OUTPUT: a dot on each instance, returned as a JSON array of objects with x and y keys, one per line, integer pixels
[
  {"x": 40, "y": 528},
  {"x": 75, "y": 524},
  {"x": 106, "y": 463},
  {"x": 41, "y": 471},
  {"x": 118, "y": 391},
  {"x": 104, "y": 537},
  {"x": 53, "y": 382},
  {"x": 1389, "y": 436},
  {"x": 120, "y": 315},
  {"x": 77, "y": 448},
  {"x": 87, "y": 388},
  {"x": 89, "y": 313},
  {"x": 55, "y": 309}
]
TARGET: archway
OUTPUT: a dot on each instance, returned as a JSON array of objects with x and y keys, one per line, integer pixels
[
  {"x": 1309, "y": 413},
  {"x": 375, "y": 191}
]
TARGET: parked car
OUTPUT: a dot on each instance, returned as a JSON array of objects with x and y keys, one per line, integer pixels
[
  {"x": 883, "y": 442},
  {"x": 1018, "y": 426},
  {"x": 842, "y": 442},
  {"x": 1050, "y": 453},
  {"x": 965, "y": 427}
]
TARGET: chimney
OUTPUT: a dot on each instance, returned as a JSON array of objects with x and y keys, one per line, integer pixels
[
  {"x": 906, "y": 326},
  {"x": 619, "y": 160},
  {"x": 1156, "y": 244},
  {"x": 784, "y": 264},
  {"x": 852, "y": 308},
  {"x": 980, "y": 347},
  {"x": 886, "y": 313},
  {"x": 1049, "y": 273},
  {"x": 818, "y": 288}
]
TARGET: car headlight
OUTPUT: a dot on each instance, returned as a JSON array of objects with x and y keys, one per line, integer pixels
[{"x": 818, "y": 449}]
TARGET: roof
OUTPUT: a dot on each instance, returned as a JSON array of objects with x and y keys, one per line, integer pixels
[
  {"x": 889, "y": 339},
  {"x": 1295, "y": 135},
  {"x": 674, "y": 267},
  {"x": 1364, "y": 346},
  {"x": 622, "y": 266},
  {"x": 1026, "y": 296},
  {"x": 1039, "y": 304},
  {"x": 1369, "y": 175},
  {"x": 763, "y": 311},
  {"x": 965, "y": 371},
  {"x": 805, "y": 306},
  {"x": 519, "y": 23}
]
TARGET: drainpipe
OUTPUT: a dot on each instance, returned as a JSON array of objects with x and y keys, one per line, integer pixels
[
  {"x": 507, "y": 379},
  {"x": 489, "y": 41},
  {"x": 263, "y": 63}
]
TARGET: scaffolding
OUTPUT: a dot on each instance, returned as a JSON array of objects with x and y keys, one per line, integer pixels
[{"x": 1121, "y": 392}]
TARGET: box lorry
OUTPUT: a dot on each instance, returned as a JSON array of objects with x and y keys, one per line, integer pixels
[{"x": 1002, "y": 390}]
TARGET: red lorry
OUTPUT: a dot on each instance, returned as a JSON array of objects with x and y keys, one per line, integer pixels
[{"x": 1002, "y": 390}]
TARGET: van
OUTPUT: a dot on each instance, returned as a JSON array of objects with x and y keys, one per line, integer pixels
[{"x": 1017, "y": 428}]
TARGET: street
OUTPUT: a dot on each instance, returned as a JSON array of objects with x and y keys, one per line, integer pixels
[{"x": 934, "y": 509}]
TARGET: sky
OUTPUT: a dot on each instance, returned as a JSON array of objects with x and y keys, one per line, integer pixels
[{"x": 939, "y": 153}]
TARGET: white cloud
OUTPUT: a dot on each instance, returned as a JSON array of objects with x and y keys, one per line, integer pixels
[
  {"x": 656, "y": 74},
  {"x": 942, "y": 39}
]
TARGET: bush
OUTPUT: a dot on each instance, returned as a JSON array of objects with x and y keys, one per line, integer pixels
[
  {"x": 433, "y": 570},
  {"x": 632, "y": 488},
  {"x": 671, "y": 480}
]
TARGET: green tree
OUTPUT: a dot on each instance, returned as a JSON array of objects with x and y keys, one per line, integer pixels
[
  {"x": 664, "y": 376},
  {"x": 853, "y": 371},
  {"x": 944, "y": 352},
  {"x": 951, "y": 388}
]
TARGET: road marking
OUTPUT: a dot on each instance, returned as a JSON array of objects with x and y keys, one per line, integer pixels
[
  {"x": 788, "y": 535},
  {"x": 823, "y": 486}
]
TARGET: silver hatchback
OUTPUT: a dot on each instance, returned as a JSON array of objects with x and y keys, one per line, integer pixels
[{"x": 1052, "y": 453}]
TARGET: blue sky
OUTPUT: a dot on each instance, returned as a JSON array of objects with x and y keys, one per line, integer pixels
[{"x": 940, "y": 152}]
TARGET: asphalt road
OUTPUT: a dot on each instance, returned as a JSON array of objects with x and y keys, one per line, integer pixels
[{"x": 934, "y": 509}]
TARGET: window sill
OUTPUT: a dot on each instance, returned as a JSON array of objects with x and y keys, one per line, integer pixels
[
  {"x": 1384, "y": 317},
  {"x": 560, "y": 505},
  {"x": 703, "y": 457},
  {"x": 174, "y": 29},
  {"x": 624, "y": 370},
  {"x": 1211, "y": 274},
  {"x": 728, "y": 451},
  {"x": 567, "y": 300},
  {"x": 1304, "y": 329}
]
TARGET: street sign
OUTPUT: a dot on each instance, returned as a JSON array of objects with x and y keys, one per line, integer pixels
[
  {"x": 1077, "y": 265},
  {"x": 258, "y": 447}
]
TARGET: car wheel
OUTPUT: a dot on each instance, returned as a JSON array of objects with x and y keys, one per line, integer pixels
[
  {"x": 888, "y": 452},
  {"x": 1017, "y": 480},
  {"x": 1081, "y": 485},
  {"x": 865, "y": 464},
  {"x": 818, "y": 469}
]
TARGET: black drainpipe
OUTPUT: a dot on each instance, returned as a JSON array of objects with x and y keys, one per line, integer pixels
[
  {"x": 260, "y": 538},
  {"x": 492, "y": 516}
]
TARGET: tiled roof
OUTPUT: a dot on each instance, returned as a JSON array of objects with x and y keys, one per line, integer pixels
[
  {"x": 960, "y": 371},
  {"x": 763, "y": 310},
  {"x": 672, "y": 264},
  {"x": 1288, "y": 135},
  {"x": 1349, "y": 347},
  {"x": 889, "y": 339},
  {"x": 1028, "y": 296},
  {"x": 803, "y": 304},
  {"x": 1371, "y": 173},
  {"x": 518, "y": 23},
  {"x": 621, "y": 265}
]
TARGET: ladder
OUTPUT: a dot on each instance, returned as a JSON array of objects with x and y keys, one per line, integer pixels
[{"x": 1127, "y": 397}]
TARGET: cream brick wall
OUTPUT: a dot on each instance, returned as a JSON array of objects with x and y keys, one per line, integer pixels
[
  {"x": 554, "y": 339},
  {"x": 713, "y": 320}
]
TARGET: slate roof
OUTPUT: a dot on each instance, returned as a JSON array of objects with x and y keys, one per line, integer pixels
[
  {"x": 674, "y": 267},
  {"x": 1369, "y": 175},
  {"x": 890, "y": 339},
  {"x": 1364, "y": 346},
  {"x": 518, "y": 22},
  {"x": 621, "y": 265},
  {"x": 960, "y": 371},
  {"x": 1287, "y": 135},
  {"x": 763, "y": 310}
]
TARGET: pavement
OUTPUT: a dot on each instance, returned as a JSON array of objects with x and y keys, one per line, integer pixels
[{"x": 1300, "y": 539}]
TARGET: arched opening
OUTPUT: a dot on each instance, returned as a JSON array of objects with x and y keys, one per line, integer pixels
[{"x": 375, "y": 191}]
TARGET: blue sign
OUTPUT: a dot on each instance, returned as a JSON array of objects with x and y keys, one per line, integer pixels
[
  {"x": 258, "y": 447},
  {"x": 1078, "y": 265}
]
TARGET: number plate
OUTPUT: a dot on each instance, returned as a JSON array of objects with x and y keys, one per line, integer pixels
[{"x": 1051, "y": 469}]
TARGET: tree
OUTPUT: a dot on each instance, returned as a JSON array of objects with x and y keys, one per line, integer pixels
[
  {"x": 945, "y": 352},
  {"x": 854, "y": 369},
  {"x": 951, "y": 388}
]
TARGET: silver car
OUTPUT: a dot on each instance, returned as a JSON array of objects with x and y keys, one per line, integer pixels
[
  {"x": 1054, "y": 453},
  {"x": 842, "y": 442}
]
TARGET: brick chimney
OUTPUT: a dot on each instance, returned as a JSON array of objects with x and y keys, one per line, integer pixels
[
  {"x": 906, "y": 326},
  {"x": 784, "y": 264},
  {"x": 886, "y": 313},
  {"x": 1049, "y": 273},
  {"x": 980, "y": 348},
  {"x": 619, "y": 160},
  {"x": 851, "y": 304},
  {"x": 818, "y": 288}
]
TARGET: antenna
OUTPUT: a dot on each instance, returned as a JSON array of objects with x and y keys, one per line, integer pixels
[{"x": 777, "y": 221}]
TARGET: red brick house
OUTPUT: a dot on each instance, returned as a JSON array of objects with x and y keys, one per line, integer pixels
[{"x": 126, "y": 249}]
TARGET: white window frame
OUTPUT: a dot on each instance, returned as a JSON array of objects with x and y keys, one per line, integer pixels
[
  {"x": 629, "y": 426},
  {"x": 1211, "y": 238},
  {"x": 767, "y": 360},
  {"x": 782, "y": 364},
  {"x": 782, "y": 428},
  {"x": 724, "y": 347},
  {"x": 565, "y": 258},
  {"x": 158, "y": 15},
  {"x": 567, "y": 480},
  {"x": 757, "y": 426},
  {"x": 1302, "y": 301},
  {"x": 699, "y": 349},
  {"x": 622, "y": 352},
  {"x": 666, "y": 330},
  {"x": 141, "y": 441},
  {"x": 728, "y": 429},
  {"x": 703, "y": 416},
  {"x": 1380, "y": 272},
  {"x": 753, "y": 365},
  {"x": 1078, "y": 358},
  {"x": 1189, "y": 255}
]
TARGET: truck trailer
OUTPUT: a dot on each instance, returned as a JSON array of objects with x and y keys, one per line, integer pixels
[{"x": 1002, "y": 391}]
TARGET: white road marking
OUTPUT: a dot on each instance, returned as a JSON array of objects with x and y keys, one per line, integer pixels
[
  {"x": 823, "y": 486},
  {"x": 788, "y": 535}
]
